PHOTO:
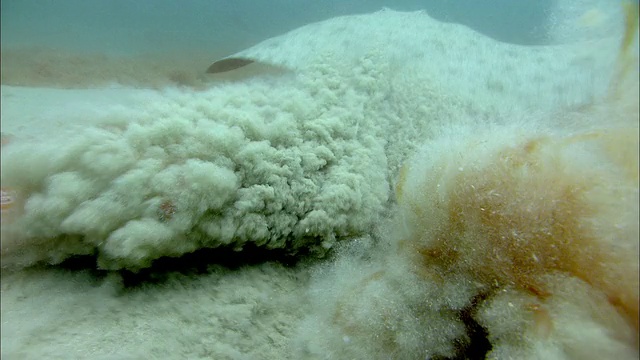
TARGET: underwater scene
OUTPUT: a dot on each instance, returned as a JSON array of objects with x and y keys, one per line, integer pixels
[{"x": 355, "y": 179}]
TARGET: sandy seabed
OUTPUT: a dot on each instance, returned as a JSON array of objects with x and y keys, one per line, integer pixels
[{"x": 370, "y": 296}]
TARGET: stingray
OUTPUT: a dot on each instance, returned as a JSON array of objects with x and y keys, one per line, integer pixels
[
  {"x": 452, "y": 56},
  {"x": 296, "y": 161}
]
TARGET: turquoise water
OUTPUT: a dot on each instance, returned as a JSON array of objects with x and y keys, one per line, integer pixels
[{"x": 123, "y": 26}]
